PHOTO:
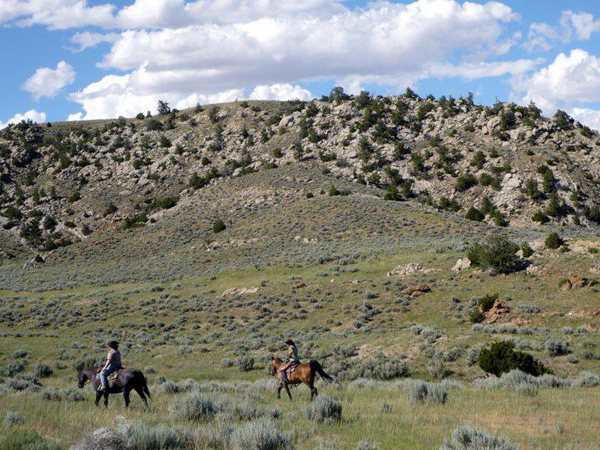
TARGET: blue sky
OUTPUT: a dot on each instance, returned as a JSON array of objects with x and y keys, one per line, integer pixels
[{"x": 104, "y": 58}]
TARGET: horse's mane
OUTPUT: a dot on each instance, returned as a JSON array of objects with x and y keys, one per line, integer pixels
[{"x": 278, "y": 359}]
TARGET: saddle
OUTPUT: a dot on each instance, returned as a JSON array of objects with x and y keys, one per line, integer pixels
[
  {"x": 112, "y": 376},
  {"x": 292, "y": 367}
]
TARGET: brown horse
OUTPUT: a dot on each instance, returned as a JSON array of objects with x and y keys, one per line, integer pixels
[
  {"x": 303, "y": 373},
  {"x": 126, "y": 381}
]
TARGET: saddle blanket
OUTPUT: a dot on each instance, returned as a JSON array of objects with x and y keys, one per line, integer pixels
[
  {"x": 111, "y": 376},
  {"x": 292, "y": 367}
]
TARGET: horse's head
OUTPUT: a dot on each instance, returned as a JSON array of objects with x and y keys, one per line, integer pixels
[
  {"x": 275, "y": 364},
  {"x": 82, "y": 378}
]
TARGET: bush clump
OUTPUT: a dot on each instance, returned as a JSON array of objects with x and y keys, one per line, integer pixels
[
  {"x": 262, "y": 434},
  {"x": 553, "y": 241},
  {"x": 219, "y": 226},
  {"x": 467, "y": 437},
  {"x": 422, "y": 392},
  {"x": 193, "y": 407},
  {"x": 324, "y": 409},
  {"x": 245, "y": 363},
  {"x": 498, "y": 254},
  {"x": 43, "y": 370},
  {"x": 501, "y": 358}
]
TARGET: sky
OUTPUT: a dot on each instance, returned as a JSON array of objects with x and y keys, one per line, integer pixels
[{"x": 91, "y": 59}]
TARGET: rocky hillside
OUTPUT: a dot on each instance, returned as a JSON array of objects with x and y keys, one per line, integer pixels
[{"x": 506, "y": 165}]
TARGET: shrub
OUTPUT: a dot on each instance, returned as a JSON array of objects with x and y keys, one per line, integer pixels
[
  {"x": 487, "y": 302},
  {"x": 474, "y": 214},
  {"x": 476, "y": 316},
  {"x": 556, "y": 347},
  {"x": 154, "y": 125},
  {"x": 540, "y": 217},
  {"x": 226, "y": 362},
  {"x": 421, "y": 392},
  {"x": 324, "y": 409},
  {"x": 501, "y": 358},
  {"x": 42, "y": 370},
  {"x": 260, "y": 434},
  {"x": 144, "y": 437},
  {"x": 465, "y": 182},
  {"x": 193, "y": 407},
  {"x": 218, "y": 226},
  {"x": 526, "y": 250},
  {"x": 586, "y": 379},
  {"x": 13, "y": 419},
  {"x": 553, "y": 241},
  {"x": 498, "y": 254},
  {"x": 381, "y": 367},
  {"x": 245, "y": 363},
  {"x": 166, "y": 203},
  {"x": 467, "y": 437}
]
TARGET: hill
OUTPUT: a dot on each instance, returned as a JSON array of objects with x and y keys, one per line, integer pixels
[{"x": 202, "y": 239}]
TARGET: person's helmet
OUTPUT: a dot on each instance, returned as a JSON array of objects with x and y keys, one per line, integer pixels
[
  {"x": 113, "y": 344},
  {"x": 290, "y": 342}
]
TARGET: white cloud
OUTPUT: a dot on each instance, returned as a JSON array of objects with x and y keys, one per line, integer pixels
[
  {"x": 32, "y": 115},
  {"x": 567, "y": 80},
  {"x": 56, "y": 14},
  {"x": 115, "y": 96},
  {"x": 572, "y": 26},
  {"x": 87, "y": 40},
  {"x": 48, "y": 82},
  {"x": 276, "y": 42},
  {"x": 280, "y": 92},
  {"x": 587, "y": 116},
  {"x": 75, "y": 117},
  {"x": 65, "y": 14},
  {"x": 471, "y": 71}
]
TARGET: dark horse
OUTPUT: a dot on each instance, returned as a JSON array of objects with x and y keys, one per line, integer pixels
[
  {"x": 126, "y": 381},
  {"x": 304, "y": 373}
]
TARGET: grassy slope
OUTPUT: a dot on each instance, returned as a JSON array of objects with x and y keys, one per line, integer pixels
[{"x": 554, "y": 418}]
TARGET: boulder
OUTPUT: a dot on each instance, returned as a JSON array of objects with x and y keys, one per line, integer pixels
[
  {"x": 239, "y": 291},
  {"x": 402, "y": 271},
  {"x": 416, "y": 290},
  {"x": 576, "y": 282},
  {"x": 496, "y": 312},
  {"x": 462, "y": 264}
]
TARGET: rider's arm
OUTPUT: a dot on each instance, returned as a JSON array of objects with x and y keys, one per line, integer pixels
[{"x": 108, "y": 361}]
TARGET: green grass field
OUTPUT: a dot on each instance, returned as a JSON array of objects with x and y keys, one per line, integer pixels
[{"x": 186, "y": 329}]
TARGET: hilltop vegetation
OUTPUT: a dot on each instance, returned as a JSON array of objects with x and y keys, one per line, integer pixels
[{"x": 505, "y": 165}]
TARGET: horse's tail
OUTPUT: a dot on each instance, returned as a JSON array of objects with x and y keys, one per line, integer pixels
[
  {"x": 145, "y": 386},
  {"x": 314, "y": 365}
]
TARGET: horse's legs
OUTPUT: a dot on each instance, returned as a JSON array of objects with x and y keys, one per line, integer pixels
[
  {"x": 313, "y": 392},
  {"x": 98, "y": 397},
  {"x": 140, "y": 392},
  {"x": 279, "y": 391},
  {"x": 288, "y": 390},
  {"x": 105, "y": 399},
  {"x": 126, "y": 392}
]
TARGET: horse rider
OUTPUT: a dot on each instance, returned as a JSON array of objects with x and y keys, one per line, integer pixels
[
  {"x": 113, "y": 363},
  {"x": 292, "y": 359}
]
